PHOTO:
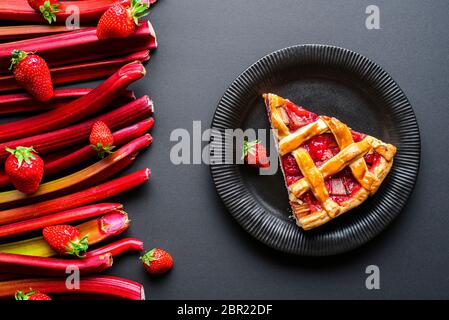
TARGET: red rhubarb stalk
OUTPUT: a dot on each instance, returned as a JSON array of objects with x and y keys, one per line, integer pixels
[
  {"x": 66, "y": 48},
  {"x": 96, "y": 230},
  {"x": 113, "y": 171},
  {"x": 23, "y": 102},
  {"x": 45, "y": 143},
  {"x": 14, "y": 33},
  {"x": 73, "y": 158},
  {"x": 43, "y": 266},
  {"x": 98, "y": 285},
  {"x": 89, "y": 10},
  {"x": 64, "y": 217},
  {"x": 94, "y": 194},
  {"x": 76, "y": 110},
  {"x": 81, "y": 71},
  {"x": 117, "y": 247},
  {"x": 121, "y": 137},
  {"x": 76, "y": 179}
]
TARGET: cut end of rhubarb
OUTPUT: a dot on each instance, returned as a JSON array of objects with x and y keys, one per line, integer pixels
[
  {"x": 133, "y": 69},
  {"x": 151, "y": 31},
  {"x": 114, "y": 223},
  {"x": 150, "y": 104},
  {"x": 147, "y": 172},
  {"x": 107, "y": 258},
  {"x": 142, "y": 293}
]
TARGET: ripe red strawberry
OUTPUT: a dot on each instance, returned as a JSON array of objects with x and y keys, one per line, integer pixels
[
  {"x": 157, "y": 261},
  {"x": 47, "y": 8},
  {"x": 255, "y": 154},
  {"x": 65, "y": 240},
  {"x": 120, "y": 21},
  {"x": 31, "y": 295},
  {"x": 25, "y": 169},
  {"x": 32, "y": 73},
  {"x": 101, "y": 139}
]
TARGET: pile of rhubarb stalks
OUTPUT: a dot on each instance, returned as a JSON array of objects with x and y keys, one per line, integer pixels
[{"x": 77, "y": 183}]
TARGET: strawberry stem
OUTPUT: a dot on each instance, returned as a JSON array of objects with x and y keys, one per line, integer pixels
[
  {"x": 22, "y": 154},
  {"x": 22, "y": 295},
  {"x": 248, "y": 147},
  {"x": 148, "y": 257},
  {"x": 48, "y": 11},
  {"x": 138, "y": 10},
  {"x": 16, "y": 57},
  {"x": 102, "y": 150},
  {"x": 77, "y": 247}
]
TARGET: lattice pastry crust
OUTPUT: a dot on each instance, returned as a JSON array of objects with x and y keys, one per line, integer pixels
[{"x": 350, "y": 154}]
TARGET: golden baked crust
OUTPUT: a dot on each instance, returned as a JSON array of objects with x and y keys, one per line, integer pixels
[{"x": 351, "y": 155}]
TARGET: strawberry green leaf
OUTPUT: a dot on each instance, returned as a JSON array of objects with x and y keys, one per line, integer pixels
[
  {"x": 78, "y": 247},
  {"x": 48, "y": 11},
  {"x": 248, "y": 147},
  {"x": 22, "y": 154}
]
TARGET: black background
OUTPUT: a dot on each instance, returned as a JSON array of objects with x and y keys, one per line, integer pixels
[{"x": 203, "y": 46}]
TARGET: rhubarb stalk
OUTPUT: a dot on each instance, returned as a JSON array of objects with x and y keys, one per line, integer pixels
[
  {"x": 79, "y": 46},
  {"x": 43, "y": 266},
  {"x": 76, "y": 179},
  {"x": 76, "y": 110},
  {"x": 89, "y": 10},
  {"x": 96, "y": 231},
  {"x": 64, "y": 217},
  {"x": 71, "y": 158},
  {"x": 14, "y": 33},
  {"x": 94, "y": 194},
  {"x": 81, "y": 71},
  {"x": 99, "y": 285},
  {"x": 23, "y": 102},
  {"x": 67, "y": 137},
  {"x": 117, "y": 247}
]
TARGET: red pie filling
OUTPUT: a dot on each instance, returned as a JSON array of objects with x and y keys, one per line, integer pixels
[{"x": 342, "y": 186}]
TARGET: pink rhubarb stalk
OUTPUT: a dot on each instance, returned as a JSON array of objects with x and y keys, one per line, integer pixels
[
  {"x": 76, "y": 110},
  {"x": 14, "y": 33},
  {"x": 60, "y": 163},
  {"x": 79, "y": 46},
  {"x": 96, "y": 230},
  {"x": 23, "y": 102},
  {"x": 98, "y": 285},
  {"x": 117, "y": 247},
  {"x": 42, "y": 266},
  {"x": 64, "y": 217},
  {"x": 76, "y": 179},
  {"x": 89, "y": 10},
  {"x": 91, "y": 195},
  {"x": 81, "y": 71},
  {"x": 45, "y": 143}
]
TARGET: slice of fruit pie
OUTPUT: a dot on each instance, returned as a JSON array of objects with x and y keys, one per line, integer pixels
[{"x": 328, "y": 167}]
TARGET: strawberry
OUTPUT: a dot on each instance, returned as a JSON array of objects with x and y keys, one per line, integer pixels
[
  {"x": 157, "y": 261},
  {"x": 101, "y": 139},
  {"x": 31, "y": 295},
  {"x": 32, "y": 73},
  {"x": 25, "y": 169},
  {"x": 47, "y": 8},
  {"x": 120, "y": 21},
  {"x": 255, "y": 154},
  {"x": 65, "y": 240}
]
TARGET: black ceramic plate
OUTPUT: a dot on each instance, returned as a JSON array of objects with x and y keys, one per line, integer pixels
[{"x": 330, "y": 81}]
